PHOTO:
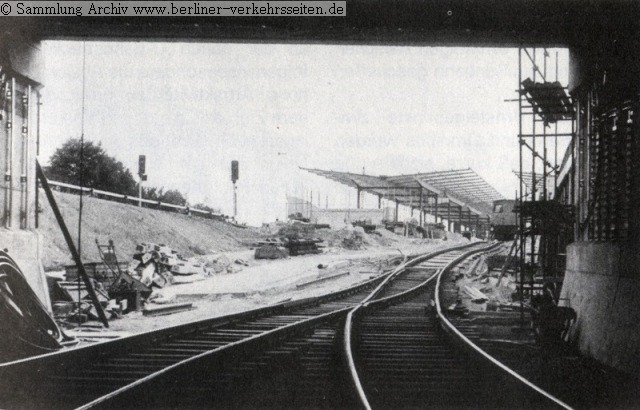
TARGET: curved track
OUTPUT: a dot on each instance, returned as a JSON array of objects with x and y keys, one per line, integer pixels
[
  {"x": 353, "y": 348},
  {"x": 153, "y": 361},
  {"x": 399, "y": 356}
]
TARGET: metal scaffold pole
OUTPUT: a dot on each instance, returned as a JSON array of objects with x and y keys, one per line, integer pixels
[{"x": 521, "y": 220}]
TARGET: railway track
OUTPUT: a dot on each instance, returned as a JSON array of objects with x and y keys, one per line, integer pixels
[
  {"x": 404, "y": 352},
  {"x": 288, "y": 355},
  {"x": 98, "y": 373}
]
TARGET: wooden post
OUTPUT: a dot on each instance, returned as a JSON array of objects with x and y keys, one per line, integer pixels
[
  {"x": 449, "y": 215},
  {"x": 72, "y": 248}
]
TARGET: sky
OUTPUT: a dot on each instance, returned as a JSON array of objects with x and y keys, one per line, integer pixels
[{"x": 192, "y": 108}]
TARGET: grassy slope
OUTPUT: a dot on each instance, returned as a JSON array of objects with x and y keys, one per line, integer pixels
[{"x": 129, "y": 225}]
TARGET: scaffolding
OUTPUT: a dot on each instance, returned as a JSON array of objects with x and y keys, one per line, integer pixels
[{"x": 546, "y": 115}]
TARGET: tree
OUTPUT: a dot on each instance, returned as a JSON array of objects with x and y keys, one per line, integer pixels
[
  {"x": 173, "y": 196},
  {"x": 99, "y": 170},
  {"x": 152, "y": 193}
]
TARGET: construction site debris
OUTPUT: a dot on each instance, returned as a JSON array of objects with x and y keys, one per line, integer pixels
[
  {"x": 298, "y": 246},
  {"x": 218, "y": 264},
  {"x": 271, "y": 251},
  {"x": 241, "y": 262},
  {"x": 124, "y": 288},
  {"x": 88, "y": 334},
  {"x": 476, "y": 295},
  {"x": 482, "y": 285},
  {"x": 162, "y": 298},
  {"x": 366, "y": 225},
  {"x": 166, "y": 309},
  {"x": 293, "y": 245},
  {"x": 178, "y": 279},
  {"x": 321, "y": 279}
]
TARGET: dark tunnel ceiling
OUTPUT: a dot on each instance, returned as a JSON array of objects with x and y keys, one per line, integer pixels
[{"x": 406, "y": 22}]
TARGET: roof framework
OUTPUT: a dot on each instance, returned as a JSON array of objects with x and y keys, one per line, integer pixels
[
  {"x": 527, "y": 180},
  {"x": 459, "y": 193}
]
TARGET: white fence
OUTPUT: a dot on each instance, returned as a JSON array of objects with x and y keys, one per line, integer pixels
[{"x": 134, "y": 200}]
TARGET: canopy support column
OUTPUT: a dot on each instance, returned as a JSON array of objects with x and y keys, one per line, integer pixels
[{"x": 421, "y": 207}]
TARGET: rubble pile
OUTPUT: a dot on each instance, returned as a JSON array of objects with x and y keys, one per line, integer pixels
[
  {"x": 271, "y": 248},
  {"x": 482, "y": 288},
  {"x": 297, "y": 229},
  {"x": 351, "y": 238},
  {"x": 294, "y": 239},
  {"x": 133, "y": 286},
  {"x": 159, "y": 266},
  {"x": 221, "y": 264}
]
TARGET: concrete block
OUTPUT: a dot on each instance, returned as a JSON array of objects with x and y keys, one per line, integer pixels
[{"x": 597, "y": 286}]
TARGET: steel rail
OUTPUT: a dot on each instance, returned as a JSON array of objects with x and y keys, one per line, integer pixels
[
  {"x": 348, "y": 326},
  {"x": 296, "y": 326},
  {"x": 209, "y": 355},
  {"x": 274, "y": 333},
  {"x": 14, "y": 373},
  {"x": 453, "y": 331},
  {"x": 409, "y": 263},
  {"x": 171, "y": 331},
  {"x": 46, "y": 366}
]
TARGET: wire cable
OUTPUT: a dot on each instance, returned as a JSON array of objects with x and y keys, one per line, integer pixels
[{"x": 81, "y": 167}]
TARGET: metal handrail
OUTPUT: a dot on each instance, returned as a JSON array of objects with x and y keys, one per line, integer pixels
[{"x": 133, "y": 199}]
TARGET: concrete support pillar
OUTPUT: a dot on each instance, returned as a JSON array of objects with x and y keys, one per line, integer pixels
[
  {"x": 449, "y": 216},
  {"x": 379, "y": 201},
  {"x": 359, "y": 193},
  {"x": 22, "y": 67},
  {"x": 436, "y": 211}
]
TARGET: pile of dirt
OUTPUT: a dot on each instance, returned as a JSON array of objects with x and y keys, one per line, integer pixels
[
  {"x": 345, "y": 238},
  {"x": 351, "y": 238},
  {"x": 128, "y": 226}
]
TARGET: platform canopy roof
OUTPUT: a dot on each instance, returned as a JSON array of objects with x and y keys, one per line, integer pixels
[{"x": 462, "y": 188}]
